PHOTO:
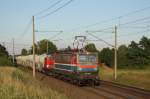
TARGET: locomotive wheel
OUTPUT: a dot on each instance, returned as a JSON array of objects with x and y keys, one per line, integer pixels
[
  {"x": 92, "y": 83},
  {"x": 75, "y": 82},
  {"x": 79, "y": 83},
  {"x": 97, "y": 83}
]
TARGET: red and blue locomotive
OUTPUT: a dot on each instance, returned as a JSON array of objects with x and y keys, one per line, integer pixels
[{"x": 79, "y": 67}]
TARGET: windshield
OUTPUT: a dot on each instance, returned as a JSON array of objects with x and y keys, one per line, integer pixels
[{"x": 90, "y": 58}]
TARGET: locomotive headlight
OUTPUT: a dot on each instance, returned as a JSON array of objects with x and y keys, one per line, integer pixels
[
  {"x": 87, "y": 53},
  {"x": 79, "y": 68},
  {"x": 95, "y": 69}
]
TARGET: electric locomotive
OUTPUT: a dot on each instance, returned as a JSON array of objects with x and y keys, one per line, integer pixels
[{"x": 79, "y": 67}]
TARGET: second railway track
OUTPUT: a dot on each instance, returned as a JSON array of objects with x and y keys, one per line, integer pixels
[{"x": 116, "y": 91}]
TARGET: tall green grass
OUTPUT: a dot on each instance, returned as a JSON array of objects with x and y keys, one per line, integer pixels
[
  {"x": 133, "y": 77},
  {"x": 16, "y": 84}
]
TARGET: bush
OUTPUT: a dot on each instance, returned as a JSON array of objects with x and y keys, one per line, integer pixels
[{"x": 4, "y": 61}]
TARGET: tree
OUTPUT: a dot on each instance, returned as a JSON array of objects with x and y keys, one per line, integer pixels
[
  {"x": 68, "y": 48},
  {"x": 136, "y": 55},
  {"x": 106, "y": 56},
  {"x": 91, "y": 47},
  {"x": 42, "y": 47},
  {"x": 3, "y": 51},
  {"x": 122, "y": 56},
  {"x": 24, "y": 51},
  {"x": 145, "y": 45},
  {"x": 4, "y": 57},
  {"x": 31, "y": 50}
]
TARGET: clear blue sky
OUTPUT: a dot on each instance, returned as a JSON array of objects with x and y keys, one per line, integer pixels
[{"x": 72, "y": 19}]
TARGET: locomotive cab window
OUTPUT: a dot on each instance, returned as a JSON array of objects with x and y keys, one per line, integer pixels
[
  {"x": 83, "y": 58},
  {"x": 87, "y": 58}
]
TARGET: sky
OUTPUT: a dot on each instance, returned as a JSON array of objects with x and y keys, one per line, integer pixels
[{"x": 74, "y": 19}]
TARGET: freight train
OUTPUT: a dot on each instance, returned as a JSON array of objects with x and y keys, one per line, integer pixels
[{"x": 77, "y": 67}]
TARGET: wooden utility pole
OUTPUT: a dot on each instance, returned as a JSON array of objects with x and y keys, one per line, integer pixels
[
  {"x": 33, "y": 46},
  {"x": 47, "y": 47},
  {"x": 13, "y": 52},
  {"x": 115, "y": 56}
]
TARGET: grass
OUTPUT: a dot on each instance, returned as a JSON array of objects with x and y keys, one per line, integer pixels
[
  {"x": 16, "y": 84},
  {"x": 133, "y": 77}
]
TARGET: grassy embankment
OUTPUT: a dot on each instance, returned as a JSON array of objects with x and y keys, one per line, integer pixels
[
  {"x": 133, "y": 77},
  {"x": 16, "y": 84}
]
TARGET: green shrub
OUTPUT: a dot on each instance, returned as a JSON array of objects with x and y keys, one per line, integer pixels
[{"x": 4, "y": 61}]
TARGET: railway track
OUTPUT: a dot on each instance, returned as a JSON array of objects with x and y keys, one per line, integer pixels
[
  {"x": 141, "y": 93},
  {"x": 107, "y": 90},
  {"x": 119, "y": 91},
  {"x": 103, "y": 93}
]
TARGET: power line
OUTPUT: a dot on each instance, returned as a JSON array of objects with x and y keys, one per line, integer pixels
[
  {"x": 94, "y": 24},
  {"x": 135, "y": 21},
  {"x": 54, "y": 36},
  {"x": 59, "y": 32},
  {"x": 130, "y": 22},
  {"x": 98, "y": 31},
  {"x": 101, "y": 39},
  {"x": 135, "y": 27},
  {"x": 15, "y": 43},
  {"x": 44, "y": 10},
  {"x": 136, "y": 11},
  {"x": 25, "y": 30},
  {"x": 47, "y": 31},
  {"x": 127, "y": 34},
  {"x": 115, "y": 18},
  {"x": 55, "y": 10},
  {"x": 91, "y": 40},
  {"x": 133, "y": 33}
]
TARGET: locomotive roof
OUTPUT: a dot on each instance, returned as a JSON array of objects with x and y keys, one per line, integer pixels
[{"x": 74, "y": 51}]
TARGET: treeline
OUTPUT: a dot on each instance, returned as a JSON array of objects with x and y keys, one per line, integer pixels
[
  {"x": 5, "y": 58},
  {"x": 135, "y": 55},
  {"x": 41, "y": 48}
]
